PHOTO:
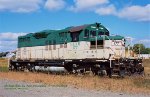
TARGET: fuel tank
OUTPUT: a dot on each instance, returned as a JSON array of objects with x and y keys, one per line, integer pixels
[{"x": 50, "y": 69}]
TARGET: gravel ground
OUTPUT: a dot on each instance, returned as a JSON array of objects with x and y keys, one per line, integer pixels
[{"x": 9, "y": 88}]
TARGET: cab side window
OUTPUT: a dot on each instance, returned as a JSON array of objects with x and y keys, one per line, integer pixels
[{"x": 92, "y": 33}]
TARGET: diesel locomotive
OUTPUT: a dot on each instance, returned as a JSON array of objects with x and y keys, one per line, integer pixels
[{"x": 76, "y": 49}]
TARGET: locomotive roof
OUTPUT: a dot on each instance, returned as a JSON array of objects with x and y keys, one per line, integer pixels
[
  {"x": 68, "y": 29},
  {"x": 64, "y": 35}
]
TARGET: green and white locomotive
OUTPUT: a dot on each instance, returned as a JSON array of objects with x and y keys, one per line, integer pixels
[{"x": 78, "y": 49}]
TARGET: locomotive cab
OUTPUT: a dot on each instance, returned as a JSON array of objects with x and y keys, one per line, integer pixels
[{"x": 94, "y": 42}]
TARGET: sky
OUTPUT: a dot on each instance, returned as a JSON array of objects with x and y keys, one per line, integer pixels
[{"x": 129, "y": 18}]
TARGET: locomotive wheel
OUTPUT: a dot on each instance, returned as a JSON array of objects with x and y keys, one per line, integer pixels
[
  {"x": 11, "y": 67},
  {"x": 109, "y": 72},
  {"x": 101, "y": 73}
]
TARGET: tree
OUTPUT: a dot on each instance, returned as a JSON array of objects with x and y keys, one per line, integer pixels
[
  {"x": 142, "y": 49},
  {"x": 147, "y": 50},
  {"x": 3, "y": 54}
]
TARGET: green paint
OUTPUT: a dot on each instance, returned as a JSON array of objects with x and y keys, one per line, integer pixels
[{"x": 52, "y": 37}]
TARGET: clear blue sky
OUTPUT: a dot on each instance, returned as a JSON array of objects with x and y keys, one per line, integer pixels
[{"x": 130, "y": 18}]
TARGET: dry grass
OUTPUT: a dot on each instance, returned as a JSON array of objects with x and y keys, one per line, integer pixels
[
  {"x": 146, "y": 63},
  {"x": 3, "y": 64},
  {"x": 128, "y": 84},
  {"x": 132, "y": 85}
]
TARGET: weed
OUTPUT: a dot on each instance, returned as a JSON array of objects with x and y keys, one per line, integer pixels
[{"x": 4, "y": 69}]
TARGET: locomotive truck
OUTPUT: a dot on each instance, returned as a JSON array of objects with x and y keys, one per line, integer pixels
[{"x": 76, "y": 49}]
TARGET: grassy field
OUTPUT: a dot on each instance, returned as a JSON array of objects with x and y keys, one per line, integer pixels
[{"x": 134, "y": 84}]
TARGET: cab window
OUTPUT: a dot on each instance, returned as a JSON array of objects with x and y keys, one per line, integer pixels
[
  {"x": 92, "y": 33},
  {"x": 107, "y": 33},
  {"x": 100, "y": 33}
]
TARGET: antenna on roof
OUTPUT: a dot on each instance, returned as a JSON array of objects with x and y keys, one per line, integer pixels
[{"x": 98, "y": 24}]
